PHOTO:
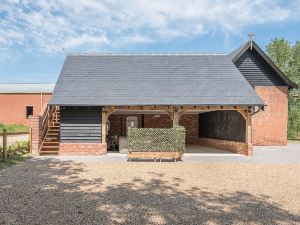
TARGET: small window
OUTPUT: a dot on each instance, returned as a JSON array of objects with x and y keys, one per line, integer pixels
[{"x": 29, "y": 111}]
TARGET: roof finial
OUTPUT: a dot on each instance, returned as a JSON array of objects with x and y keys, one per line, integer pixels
[{"x": 251, "y": 38}]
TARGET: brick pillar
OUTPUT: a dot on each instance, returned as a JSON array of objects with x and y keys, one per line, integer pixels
[{"x": 36, "y": 133}]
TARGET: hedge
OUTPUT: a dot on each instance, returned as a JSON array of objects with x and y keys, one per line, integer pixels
[{"x": 156, "y": 139}]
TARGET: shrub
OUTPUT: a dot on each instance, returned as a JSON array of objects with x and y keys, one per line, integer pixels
[
  {"x": 17, "y": 149},
  {"x": 156, "y": 139}
]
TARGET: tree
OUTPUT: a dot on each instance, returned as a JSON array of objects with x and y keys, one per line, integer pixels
[
  {"x": 280, "y": 51},
  {"x": 287, "y": 58}
]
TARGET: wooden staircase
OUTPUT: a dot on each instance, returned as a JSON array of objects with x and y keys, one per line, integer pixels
[{"x": 50, "y": 133}]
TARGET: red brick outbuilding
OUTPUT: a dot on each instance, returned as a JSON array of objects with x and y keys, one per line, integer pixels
[{"x": 19, "y": 101}]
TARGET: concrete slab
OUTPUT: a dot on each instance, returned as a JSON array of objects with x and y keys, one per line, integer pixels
[
  {"x": 197, "y": 150},
  {"x": 281, "y": 154}
]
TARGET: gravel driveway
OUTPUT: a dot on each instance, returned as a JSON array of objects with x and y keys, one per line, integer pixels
[{"x": 45, "y": 191}]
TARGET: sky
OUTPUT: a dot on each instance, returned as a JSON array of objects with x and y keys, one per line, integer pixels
[{"x": 35, "y": 36}]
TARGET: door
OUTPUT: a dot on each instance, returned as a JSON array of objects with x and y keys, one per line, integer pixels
[{"x": 131, "y": 122}]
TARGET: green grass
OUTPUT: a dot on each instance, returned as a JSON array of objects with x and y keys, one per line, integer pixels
[
  {"x": 14, "y": 128},
  {"x": 294, "y": 141},
  {"x": 13, "y": 160}
]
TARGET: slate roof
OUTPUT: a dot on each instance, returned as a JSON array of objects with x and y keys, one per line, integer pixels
[
  {"x": 25, "y": 88},
  {"x": 170, "y": 79},
  {"x": 238, "y": 50}
]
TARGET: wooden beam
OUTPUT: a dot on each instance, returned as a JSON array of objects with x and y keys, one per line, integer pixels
[
  {"x": 4, "y": 150},
  {"x": 186, "y": 109},
  {"x": 154, "y": 155},
  {"x": 103, "y": 134},
  {"x": 248, "y": 137},
  {"x": 244, "y": 113},
  {"x": 175, "y": 117}
]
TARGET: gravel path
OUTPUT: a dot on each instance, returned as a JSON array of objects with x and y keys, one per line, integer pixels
[{"x": 44, "y": 191}]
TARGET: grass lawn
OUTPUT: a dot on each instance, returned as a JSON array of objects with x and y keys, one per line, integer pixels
[
  {"x": 294, "y": 141},
  {"x": 13, "y": 160},
  {"x": 14, "y": 128}
]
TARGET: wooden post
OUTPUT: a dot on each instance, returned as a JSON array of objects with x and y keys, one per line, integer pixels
[
  {"x": 103, "y": 127},
  {"x": 4, "y": 145},
  {"x": 248, "y": 129},
  {"x": 30, "y": 140},
  {"x": 175, "y": 117},
  {"x": 248, "y": 138}
]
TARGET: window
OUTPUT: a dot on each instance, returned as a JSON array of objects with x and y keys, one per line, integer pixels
[{"x": 29, "y": 111}]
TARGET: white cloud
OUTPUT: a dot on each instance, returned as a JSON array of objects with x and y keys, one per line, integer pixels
[{"x": 97, "y": 25}]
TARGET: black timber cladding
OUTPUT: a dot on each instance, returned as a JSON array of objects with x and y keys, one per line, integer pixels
[
  {"x": 257, "y": 71},
  {"x": 159, "y": 79},
  {"x": 225, "y": 125},
  {"x": 80, "y": 125}
]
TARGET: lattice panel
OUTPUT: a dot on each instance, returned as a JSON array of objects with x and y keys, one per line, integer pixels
[{"x": 156, "y": 139}]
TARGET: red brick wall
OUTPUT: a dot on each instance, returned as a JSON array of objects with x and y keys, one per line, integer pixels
[
  {"x": 191, "y": 124},
  {"x": 118, "y": 122},
  {"x": 35, "y": 123},
  {"x": 13, "y": 107},
  {"x": 231, "y": 146},
  {"x": 82, "y": 149},
  {"x": 269, "y": 127},
  {"x": 159, "y": 121}
]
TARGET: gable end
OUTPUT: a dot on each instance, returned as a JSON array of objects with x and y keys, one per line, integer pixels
[
  {"x": 257, "y": 71},
  {"x": 258, "y": 68}
]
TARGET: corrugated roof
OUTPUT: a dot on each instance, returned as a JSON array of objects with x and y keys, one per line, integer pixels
[
  {"x": 196, "y": 79},
  {"x": 14, "y": 88}
]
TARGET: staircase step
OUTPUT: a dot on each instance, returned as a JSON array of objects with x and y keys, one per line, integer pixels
[
  {"x": 50, "y": 145},
  {"x": 46, "y": 147},
  {"x": 51, "y": 140},
  {"x": 49, "y": 152}
]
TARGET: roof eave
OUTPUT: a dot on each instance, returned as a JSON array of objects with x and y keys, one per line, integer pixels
[{"x": 209, "y": 105}]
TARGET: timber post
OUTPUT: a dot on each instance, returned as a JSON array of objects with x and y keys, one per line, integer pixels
[
  {"x": 103, "y": 127},
  {"x": 4, "y": 153},
  {"x": 248, "y": 138},
  {"x": 175, "y": 117}
]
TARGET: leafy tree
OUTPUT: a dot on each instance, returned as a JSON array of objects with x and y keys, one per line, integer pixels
[
  {"x": 280, "y": 51},
  {"x": 287, "y": 58}
]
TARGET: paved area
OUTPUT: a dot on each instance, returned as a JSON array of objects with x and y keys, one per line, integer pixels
[
  {"x": 48, "y": 191},
  {"x": 262, "y": 154},
  {"x": 281, "y": 154}
]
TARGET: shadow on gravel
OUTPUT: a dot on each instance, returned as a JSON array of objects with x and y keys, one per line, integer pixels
[{"x": 35, "y": 195}]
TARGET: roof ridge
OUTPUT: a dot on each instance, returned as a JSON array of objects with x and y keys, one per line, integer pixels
[
  {"x": 24, "y": 83},
  {"x": 143, "y": 54}
]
